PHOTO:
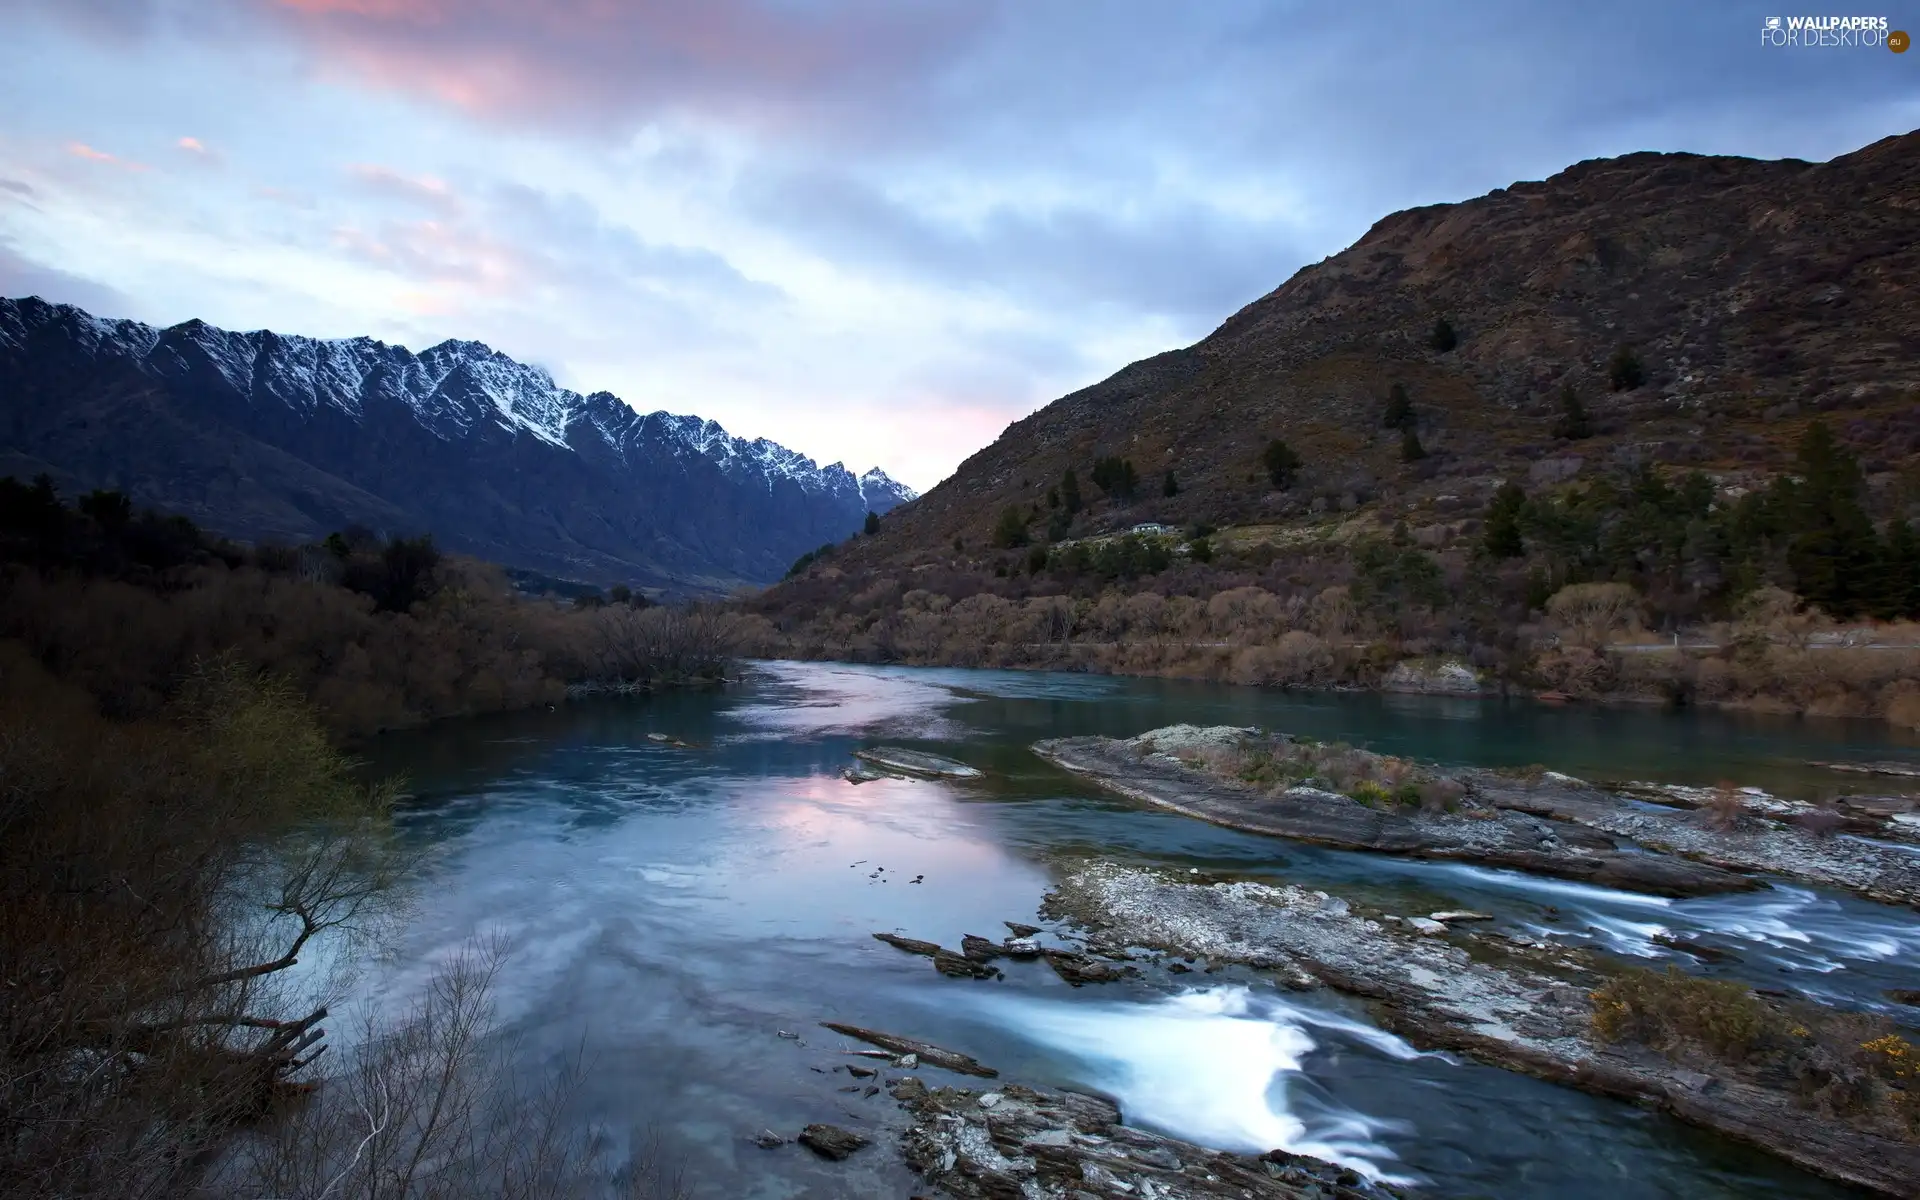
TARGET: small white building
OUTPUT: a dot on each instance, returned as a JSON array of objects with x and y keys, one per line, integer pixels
[{"x": 1151, "y": 528}]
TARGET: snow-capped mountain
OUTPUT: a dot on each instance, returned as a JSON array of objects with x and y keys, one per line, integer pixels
[{"x": 267, "y": 436}]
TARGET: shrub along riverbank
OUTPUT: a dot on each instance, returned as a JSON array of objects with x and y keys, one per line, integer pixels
[{"x": 178, "y": 829}]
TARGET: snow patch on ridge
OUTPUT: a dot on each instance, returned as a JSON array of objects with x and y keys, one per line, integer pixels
[{"x": 456, "y": 390}]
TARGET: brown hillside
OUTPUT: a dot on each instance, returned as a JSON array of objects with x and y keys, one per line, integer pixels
[{"x": 1757, "y": 294}]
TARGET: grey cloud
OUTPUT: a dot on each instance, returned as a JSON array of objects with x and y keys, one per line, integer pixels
[
  {"x": 21, "y": 276},
  {"x": 1174, "y": 256}
]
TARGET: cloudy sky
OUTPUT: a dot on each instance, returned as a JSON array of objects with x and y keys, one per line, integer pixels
[{"x": 874, "y": 230}]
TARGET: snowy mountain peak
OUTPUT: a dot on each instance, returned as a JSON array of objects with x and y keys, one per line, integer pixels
[{"x": 458, "y": 390}]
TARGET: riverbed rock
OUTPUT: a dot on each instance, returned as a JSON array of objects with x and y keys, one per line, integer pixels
[
  {"x": 1529, "y": 1009},
  {"x": 1046, "y": 1145},
  {"x": 1021, "y": 948},
  {"x": 1428, "y": 926},
  {"x": 910, "y": 945},
  {"x": 917, "y": 1050},
  {"x": 1461, "y": 914},
  {"x": 979, "y": 949},
  {"x": 831, "y": 1141},
  {"x": 1485, "y": 833},
  {"x": 1079, "y": 969},
  {"x": 1021, "y": 931},
  {"x": 959, "y": 966},
  {"x": 916, "y": 763}
]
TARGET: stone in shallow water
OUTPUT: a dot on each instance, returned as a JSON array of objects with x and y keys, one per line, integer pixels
[
  {"x": 916, "y": 762},
  {"x": 1452, "y": 915},
  {"x": 831, "y": 1141},
  {"x": 1428, "y": 926}
]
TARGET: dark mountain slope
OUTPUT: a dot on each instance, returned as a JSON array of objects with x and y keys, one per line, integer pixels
[
  {"x": 264, "y": 436},
  {"x": 1756, "y": 295}
]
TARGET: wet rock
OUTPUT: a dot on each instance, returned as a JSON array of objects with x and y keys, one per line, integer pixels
[
  {"x": 916, "y": 763},
  {"x": 1453, "y": 915},
  {"x": 831, "y": 1141},
  {"x": 1021, "y": 931},
  {"x": 907, "y": 1062},
  {"x": 1077, "y": 969},
  {"x": 1428, "y": 926},
  {"x": 1905, "y": 996},
  {"x": 910, "y": 945},
  {"x": 1020, "y": 948},
  {"x": 861, "y": 1072},
  {"x": 979, "y": 949},
  {"x": 862, "y": 773},
  {"x": 767, "y": 1139},
  {"x": 1548, "y": 824},
  {"x": 1486, "y": 835},
  {"x": 1687, "y": 945},
  {"x": 959, "y": 966},
  {"x": 911, "y": 1048}
]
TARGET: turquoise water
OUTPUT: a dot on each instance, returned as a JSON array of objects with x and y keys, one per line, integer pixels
[{"x": 673, "y": 910}]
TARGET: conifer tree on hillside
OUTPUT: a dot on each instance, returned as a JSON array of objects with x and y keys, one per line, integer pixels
[
  {"x": 1624, "y": 370},
  {"x": 873, "y": 524},
  {"x": 1116, "y": 477},
  {"x": 1833, "y": 551},
  {"x": 1573, "y": 423},
  {"x": 1169, "y": 486},
  {"x": 1281, "y": 463},
  {"x": 1897, "y": 592},
  {"x": 1443, "y": 339},
  {"x": 1011, "y": 530},
  {"x": 1502, "y": 535},
  {"x": 1399, "y": 412},
  {"x": 1070, "y": 492},
  {"x": 1410, "y": 448}
]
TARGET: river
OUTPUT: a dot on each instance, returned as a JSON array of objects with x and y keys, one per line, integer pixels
[{"x": 672, "y": 911}]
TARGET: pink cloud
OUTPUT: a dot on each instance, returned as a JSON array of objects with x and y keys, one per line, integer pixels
[
  {"x": 606, "y": 62},
  {"x": 422, "y": 189},
  {"x": 82, "y": 150}
]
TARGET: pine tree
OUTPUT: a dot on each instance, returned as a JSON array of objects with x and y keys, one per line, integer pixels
[
  {"x": 1624, "y": 372},
  {"x": 1897, "y": 596},
  {"x": 1053, "y": 497},
  {"x": 873, "y": 524},
  {"x": 1011, "y": 530},
  {"x": 1281, "y": 463},
  {"x": 1573, "y": 423},
  {"x": 1399, "y": 412},
  {"x": 1443, "y": 338},
  {"x": 1169, "y": 486},
  {"x": 1410, "y": 448},
  {"x": 1832, "y": 550},
  {"x": 1502, "y": 536},
  {"x": 1070, "y": 492}
]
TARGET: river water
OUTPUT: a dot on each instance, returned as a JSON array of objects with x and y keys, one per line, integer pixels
[{"x": 673, "y": 911}]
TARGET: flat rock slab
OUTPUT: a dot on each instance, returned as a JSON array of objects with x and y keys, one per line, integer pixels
[
  {"x": 1516, "y": 839},
  {"x": 924, "y": 1052},
  {"x": 917, "y": 763}
]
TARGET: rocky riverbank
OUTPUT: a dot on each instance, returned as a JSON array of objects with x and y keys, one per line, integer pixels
[
  {"x": 1022, "y": 1142},
  {"x": 1532, "y": 1009},
  {"x": 1540, "y": 822}
]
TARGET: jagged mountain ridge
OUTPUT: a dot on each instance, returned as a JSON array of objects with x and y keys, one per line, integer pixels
[
  {"x": 262, "y": 435},
  {"x": 1758, "y": 295}
]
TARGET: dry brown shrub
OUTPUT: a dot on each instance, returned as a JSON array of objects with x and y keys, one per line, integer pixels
[
  {"x": 1592, "y": 613},
  {"x": 1723, "y": 809}
]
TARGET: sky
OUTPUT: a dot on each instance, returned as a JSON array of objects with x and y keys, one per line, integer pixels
[{"x": 876, "y": 231}]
